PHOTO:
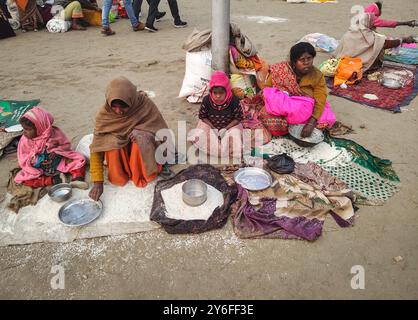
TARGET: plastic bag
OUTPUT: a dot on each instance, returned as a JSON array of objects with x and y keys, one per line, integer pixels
[
  {"x": 197, "y": 75},
  {"x": 327, "y": 43},
  {"x": 281, "y": 163},
  {"x": 329, "y": 67},
  {"x": 349, "y": 71},
  {"x": 83, "y": 146}
]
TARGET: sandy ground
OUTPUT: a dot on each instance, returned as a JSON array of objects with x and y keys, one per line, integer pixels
[{"x": 69, "y": 73}]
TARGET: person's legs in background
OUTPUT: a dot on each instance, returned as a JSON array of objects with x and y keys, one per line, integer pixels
[
  {"x": 152, "y": 14},
  {"x": 73, "y": 12},
  {"x": 137, "y": 4},
  {"x": 136, "y": 25},
  {"x": 175, "y": 13},
  {"x": 107, "y": 5}
]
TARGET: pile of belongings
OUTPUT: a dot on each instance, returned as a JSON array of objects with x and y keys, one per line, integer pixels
[
  {"x": 321, "y": 42},
  {"x": 244, "y": 65}
]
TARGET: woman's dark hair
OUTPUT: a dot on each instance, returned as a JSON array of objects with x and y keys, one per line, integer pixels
[
  {"x": 299, "y": 49},
  {"x": 119, "y": 102},
  {"x": 379, "y": 5},
  {"x": 26, "y": 122}
]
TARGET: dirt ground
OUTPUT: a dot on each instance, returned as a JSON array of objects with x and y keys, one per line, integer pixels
[{"x": 69, "y": 73}]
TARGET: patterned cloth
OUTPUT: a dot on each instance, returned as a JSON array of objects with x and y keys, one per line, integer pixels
[
  {"x": 284, "y": 79},
  {"x": 30, "y": 18},
  {"x": 388, "y": 99},
  {"x": 295, "y": 207},
  {"x": 373, "y": 180}
]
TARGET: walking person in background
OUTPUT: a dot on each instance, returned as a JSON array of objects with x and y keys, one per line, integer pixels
[
  {"x": 107, "y": 5},
  {"x": 137, "y": 4},
  {"x": 155, "y": 15}
]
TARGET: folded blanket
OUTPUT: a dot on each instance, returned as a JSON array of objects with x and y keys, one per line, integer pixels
[{"x": 57, "y": 25}]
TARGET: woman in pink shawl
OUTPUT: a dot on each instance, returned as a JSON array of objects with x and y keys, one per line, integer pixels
[
  {"x": 375, "y": 10},
  {"x": 44, "y": 152},
  {"x": 219, "y": 130}
]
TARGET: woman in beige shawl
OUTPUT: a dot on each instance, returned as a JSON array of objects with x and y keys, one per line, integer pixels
[
  {"x": 124, "y": 135},
  {"x": 364, "y": 43}
]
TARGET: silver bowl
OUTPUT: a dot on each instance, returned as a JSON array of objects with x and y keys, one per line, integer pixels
[
  {"x": 60, "y": 192},
  {"x": 195, "y": 192},
  {"x": 391, "y": 83},
  {"x": 295, "y": 131}
]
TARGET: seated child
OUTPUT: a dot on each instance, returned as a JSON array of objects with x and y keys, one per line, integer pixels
[
  {"x": 219, "y": 131},
  {"x": 44, "y": 153}
]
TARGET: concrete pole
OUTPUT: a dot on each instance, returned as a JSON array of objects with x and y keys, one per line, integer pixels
[{"x": 220, "y": 35}]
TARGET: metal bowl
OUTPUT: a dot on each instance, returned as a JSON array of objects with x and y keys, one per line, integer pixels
[
  {"x": 391, "y": 83},
  {"x": 79, "y": 212},
  {"x": 253, "y": 179},
  {"x": 295, "y": 131},
  {"x": 195, "y": 192},
  {"x": 60, "y": 192}
]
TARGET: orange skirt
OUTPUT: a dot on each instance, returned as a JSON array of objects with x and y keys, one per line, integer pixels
[{"x": 124, "y": 166}]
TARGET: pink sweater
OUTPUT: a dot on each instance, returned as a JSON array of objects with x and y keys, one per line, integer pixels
[{"x": 373, "y": 9}]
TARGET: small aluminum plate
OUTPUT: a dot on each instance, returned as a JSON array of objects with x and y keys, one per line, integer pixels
[
  {"x": 79, "y": 212},
  {"x": 253, "y": 179}
]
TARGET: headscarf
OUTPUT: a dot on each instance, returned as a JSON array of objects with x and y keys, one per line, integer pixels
[
  {"x": 50, "y": 139},
  {"x": 112, "y": 130},
  {"x": 284, "y": 78},
  {"x": 361, "y": 42},
  {"x": 220, "y": 79}
]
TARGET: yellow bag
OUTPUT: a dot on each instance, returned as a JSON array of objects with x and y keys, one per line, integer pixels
[
  {"x": 93, "y": 17},
  {"x": 349, "y": 71}
]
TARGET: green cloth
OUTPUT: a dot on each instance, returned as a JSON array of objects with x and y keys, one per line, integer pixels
[
  {"x": 365, "y": 159},
  {"x": 11, "y": 111}
]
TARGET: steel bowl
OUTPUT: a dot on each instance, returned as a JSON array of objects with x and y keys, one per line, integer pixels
[
  {"x": 60, "y": 192},
  {"x": 391, "y": 83},
  {"x": 295, "y": 131},
  {"x": 195, "y": 192}
]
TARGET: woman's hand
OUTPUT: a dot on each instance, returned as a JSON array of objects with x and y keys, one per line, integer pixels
[
  {"x": 409, "y": 39},
  {"x": 96, "y": 191},
  {"x": 410, "y": 23},
  {"x": 308, "y": 128}
]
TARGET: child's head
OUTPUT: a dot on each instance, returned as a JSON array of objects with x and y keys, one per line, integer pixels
[
  {"x": 29, "y": 129},
  {"x": 218, "y": 94},
  {"x": 220, "y": 88}
]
